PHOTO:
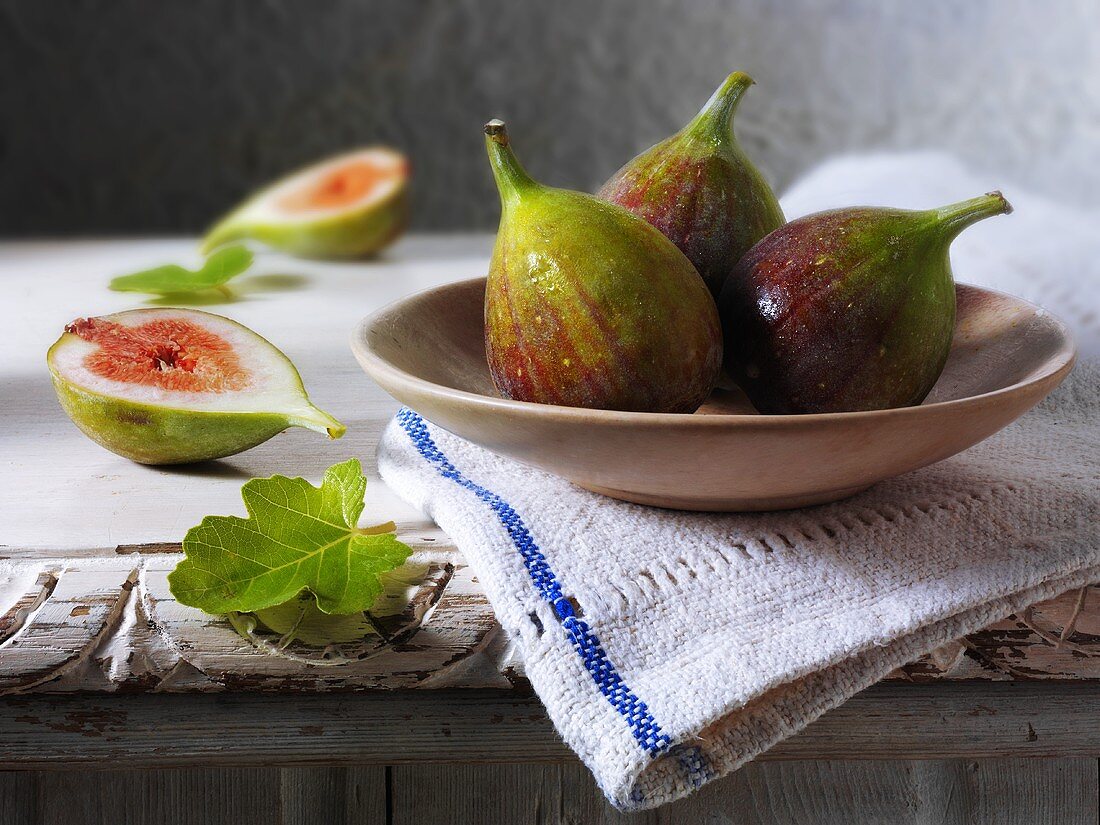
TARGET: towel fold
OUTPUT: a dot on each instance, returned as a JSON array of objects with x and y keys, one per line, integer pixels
[{"x": 669, "y": 648}]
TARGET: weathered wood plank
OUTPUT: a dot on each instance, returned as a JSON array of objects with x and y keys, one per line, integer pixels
[
  {"x": 411, "y": 727},
  {"x": 19, "y": 797},
  {"x": 903, "y": 792},
  {"x": 196, "y": 796},
  {"x": 79, "y": 613},
  {"x": 111, "y": 624},
  {"x": 332, "y": 796},
  {"x": 827, "y": 793},
  {"x": 477, "y": 794},
  {"x": 951, "y": 792},
  {"x": 824, "y": 793},
  {"x": 243, "y": 796},
  {"x": 1056, "y": 639},
  {"x": 1023, "y": 792}
]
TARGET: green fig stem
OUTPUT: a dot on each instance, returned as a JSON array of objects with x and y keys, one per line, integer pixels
[
  {"x": 955, "y": 217},
  {"x": 512, "y": 179},
  {"x": 317, "y": 420},
  {"x": 715, "y": 119}
]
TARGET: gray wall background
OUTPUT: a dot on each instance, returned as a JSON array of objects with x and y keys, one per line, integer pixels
[{"x": 143, "y": 116}]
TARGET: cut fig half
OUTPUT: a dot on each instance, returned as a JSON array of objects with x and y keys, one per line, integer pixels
[
  {"x": 172, "y": 386},
  {"x": 350, "y": 206}
]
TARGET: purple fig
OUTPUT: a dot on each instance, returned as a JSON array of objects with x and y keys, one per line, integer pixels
[
  {"x": 589, "y": 306},
  {"x": 700, "y": 189},
  {"x": 851, "y": 309}
]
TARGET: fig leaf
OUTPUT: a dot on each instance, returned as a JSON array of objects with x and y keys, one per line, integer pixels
[
  {"x": 298, "y": 538},
  {"x": 222, "y": 265}
]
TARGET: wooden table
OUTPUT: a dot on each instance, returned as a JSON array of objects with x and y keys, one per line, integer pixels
[{"x": 101, "y": 669}]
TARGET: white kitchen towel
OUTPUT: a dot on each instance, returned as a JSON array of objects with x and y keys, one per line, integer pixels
[{"x": 670, "y": 648}]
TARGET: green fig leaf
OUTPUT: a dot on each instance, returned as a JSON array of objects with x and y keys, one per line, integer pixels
[
  {"x": 301, "y": 620},
  {"x": 222, "y": 265},
  {"x": 296, "y": 538}
]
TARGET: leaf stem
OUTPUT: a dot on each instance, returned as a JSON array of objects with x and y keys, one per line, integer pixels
[
  {"x": 288, "y": 637},
  {"x": 378, "y": 529}
]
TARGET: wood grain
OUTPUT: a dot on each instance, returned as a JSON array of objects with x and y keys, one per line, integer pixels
[
  {"x": 236, "y": 795},
  {"x": 888, "y": 721},
  {"x": 478, "y": 794},
  {"x": 196, "y": 796},
  {"x": 1019, "y": 792},
  {"x": 111, "y": 624},
  {"x": 898, "y": 792},
  {"x": 332, "y": 796},
  {"x": 19, "y": 797}
]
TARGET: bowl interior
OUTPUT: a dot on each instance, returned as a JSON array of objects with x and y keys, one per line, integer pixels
[{"x": 437, "y": 336}]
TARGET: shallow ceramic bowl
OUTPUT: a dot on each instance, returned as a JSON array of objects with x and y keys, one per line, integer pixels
[{"x": 428, "y": 352}]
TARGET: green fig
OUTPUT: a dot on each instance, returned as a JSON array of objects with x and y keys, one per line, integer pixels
[
  {"x": 588, "y": 306},
  {"x": 350, "y": 206},
  {"x": 851, "y": 309},
  {"x": 700, "y": 189},
  {"x": 172, "y": 386}
]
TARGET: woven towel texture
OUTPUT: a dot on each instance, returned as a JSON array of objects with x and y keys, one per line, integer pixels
[{"x": 670, "y": 648}]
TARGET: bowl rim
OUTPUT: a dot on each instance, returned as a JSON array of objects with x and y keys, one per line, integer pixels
[{"x": 1056, "y": 369}]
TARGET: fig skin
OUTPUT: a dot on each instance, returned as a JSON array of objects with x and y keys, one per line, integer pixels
[
  {"x": 699, "y": 188},
  {"x": 851, "y": 309},
  {"x": 359, "y": 231},
  {"x": 149, "y": 434},
  {"x": 340, "y": 237},
  {"x": 588, "y": 306}
]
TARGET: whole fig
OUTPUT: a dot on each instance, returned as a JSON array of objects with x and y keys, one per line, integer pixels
[
  {"x": 700, "y": 189},
  {"x": 589, "y": 306},
  {"x": 851, "y": 309}
]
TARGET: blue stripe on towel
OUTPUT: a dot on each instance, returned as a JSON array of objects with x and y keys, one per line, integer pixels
[{"x": 641, "y": 722}]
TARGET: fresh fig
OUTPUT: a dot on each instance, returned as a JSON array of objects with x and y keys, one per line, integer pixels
[
  {"x": 349, "y": 206},
  {"x": 851, "y": 309},
  {"x": 171, "y": 386},
  {"x": 587, "y": 305},
  {"x": 700, "y": 189}
]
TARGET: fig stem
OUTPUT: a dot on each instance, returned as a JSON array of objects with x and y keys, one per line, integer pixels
[
  {"x": 317, "y": 420},
  {"x": 715, "y": 119},
  {"x": 510, "y": 175},
  {"x": 955, "y": 217}
]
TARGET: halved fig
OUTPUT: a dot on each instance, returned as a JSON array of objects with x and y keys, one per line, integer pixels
[
  {"x": 350, "y": 206},
  {"x": 172, "y": 386}
]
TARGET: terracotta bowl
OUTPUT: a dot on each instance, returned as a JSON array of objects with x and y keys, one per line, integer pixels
[{"x": 427, "y": 351}]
